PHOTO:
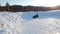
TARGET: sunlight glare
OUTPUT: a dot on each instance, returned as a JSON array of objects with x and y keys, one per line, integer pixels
[{"x": 46, "y": 2}]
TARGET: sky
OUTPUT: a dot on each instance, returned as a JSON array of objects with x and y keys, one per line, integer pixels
[{"x": 31, "y": 2}]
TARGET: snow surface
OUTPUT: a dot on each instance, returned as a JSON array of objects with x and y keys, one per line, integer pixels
[{"x": 23, "y": 23}]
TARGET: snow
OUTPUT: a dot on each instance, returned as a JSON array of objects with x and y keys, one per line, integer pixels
[
  {"x": 42, "y": 26},
  {"x": 11, "y": 22},
  {"x": 23, "y": 23}
]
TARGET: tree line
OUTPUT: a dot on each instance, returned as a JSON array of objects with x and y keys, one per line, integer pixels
[{"x": 18, "y": 8}]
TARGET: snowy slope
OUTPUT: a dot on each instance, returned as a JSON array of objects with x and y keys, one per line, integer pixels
[
  {"x": 23, "y": 23},
  {"x": 11, "y": 22},
  {"x": 42, "y": 26}
]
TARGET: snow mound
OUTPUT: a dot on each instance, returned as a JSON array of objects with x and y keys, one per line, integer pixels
[
  {"x": 42, "y": 26},
  {"x": 11, "y": 23}
]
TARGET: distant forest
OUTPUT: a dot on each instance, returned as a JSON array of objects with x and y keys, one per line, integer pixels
[{"x": 20, "y": 8}]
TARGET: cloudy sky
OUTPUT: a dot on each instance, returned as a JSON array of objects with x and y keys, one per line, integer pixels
[{"x": 31, "y": 2}]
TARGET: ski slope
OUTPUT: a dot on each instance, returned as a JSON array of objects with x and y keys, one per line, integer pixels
[{"x": 23, "y": 23}]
